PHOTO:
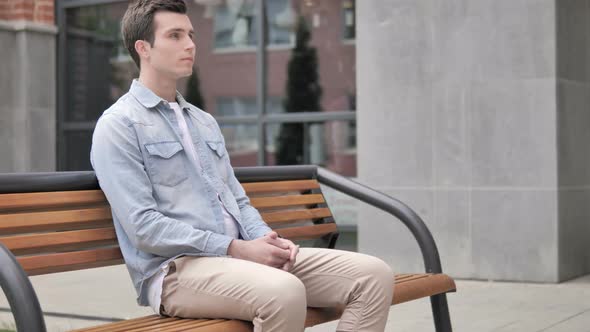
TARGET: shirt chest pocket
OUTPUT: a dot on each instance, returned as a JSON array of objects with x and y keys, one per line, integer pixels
[
  {"x": 218, "y": 155},
  {"x": 165, "y": 163}
]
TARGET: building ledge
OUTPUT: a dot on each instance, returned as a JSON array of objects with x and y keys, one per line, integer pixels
[{"x": 22, "y": 25}]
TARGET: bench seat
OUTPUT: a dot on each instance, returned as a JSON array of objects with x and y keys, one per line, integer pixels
[{"x": 407, "y": 287}]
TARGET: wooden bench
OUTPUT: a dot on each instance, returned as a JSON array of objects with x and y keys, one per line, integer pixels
[{"x": 55, "y": 222}]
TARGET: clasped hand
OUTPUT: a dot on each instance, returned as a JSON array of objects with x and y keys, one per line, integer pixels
[{"x": 269, "y": 250}]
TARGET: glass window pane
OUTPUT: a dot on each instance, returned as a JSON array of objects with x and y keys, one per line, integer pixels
[
  {"x": 318, "y": 72},
  {"x": 236, "y": 23},
  {"x": 240, "y": 106},
  {"x": 316, "y": 75},
  {"x": 241, "y": 141},
  {"x": 98, "y": 70},
  {"x": 281, "y": 16},
  {"x": 348, "y": 19},
  {"x": 236, "y": 106},
  {"x": 77, "y": 146},
  {"x": 331, "y": 145},
  {"x": 96, "y": 74}
]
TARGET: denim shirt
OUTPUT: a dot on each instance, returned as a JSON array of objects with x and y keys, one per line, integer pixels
[{"x": 163, "y": 206}]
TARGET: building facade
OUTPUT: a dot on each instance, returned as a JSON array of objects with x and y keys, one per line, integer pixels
[{"x": 475, "y": 113}]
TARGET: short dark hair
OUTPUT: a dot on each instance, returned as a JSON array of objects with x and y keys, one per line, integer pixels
[{"x": 138, "y": 22}]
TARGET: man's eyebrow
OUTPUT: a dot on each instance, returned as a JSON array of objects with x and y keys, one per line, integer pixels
[{"x": 191, "y": 31}]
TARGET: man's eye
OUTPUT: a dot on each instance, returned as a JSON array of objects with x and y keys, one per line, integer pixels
[{"x": 174, "y": 35}]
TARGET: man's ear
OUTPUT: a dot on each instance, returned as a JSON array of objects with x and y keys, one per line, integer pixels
[{"x": 142, "y": 48}]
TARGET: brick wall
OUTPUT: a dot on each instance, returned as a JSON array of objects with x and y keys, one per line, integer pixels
[{"x": 39, "y": 11}]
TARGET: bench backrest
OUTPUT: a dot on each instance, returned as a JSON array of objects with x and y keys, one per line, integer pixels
[{"x": 71, "y": 230}]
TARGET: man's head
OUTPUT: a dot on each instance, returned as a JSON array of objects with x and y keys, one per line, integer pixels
[{"x": 158, "y": 34}]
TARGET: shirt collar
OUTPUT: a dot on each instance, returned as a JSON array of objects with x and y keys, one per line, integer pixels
[
  {"x": 149, "y": 99},
  {"x": 181, "y": 102}
]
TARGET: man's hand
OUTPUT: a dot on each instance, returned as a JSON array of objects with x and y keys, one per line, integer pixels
[
  {"x": 265, "y": 250},
  {"x": 284, "y": 244}
]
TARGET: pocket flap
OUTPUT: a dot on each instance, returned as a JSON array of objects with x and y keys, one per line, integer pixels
[
  {"x": 217, "y": 146},
  {"x": 163, "y": 149}
]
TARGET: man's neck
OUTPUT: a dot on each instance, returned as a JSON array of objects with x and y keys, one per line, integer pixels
[{"x": 163, "y": 88}]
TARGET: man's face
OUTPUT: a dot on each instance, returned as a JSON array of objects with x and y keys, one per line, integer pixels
[{"x": 173, "y": 52}]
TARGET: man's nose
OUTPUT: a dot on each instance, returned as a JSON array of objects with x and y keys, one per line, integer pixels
[{"x": 190, "y": 44}]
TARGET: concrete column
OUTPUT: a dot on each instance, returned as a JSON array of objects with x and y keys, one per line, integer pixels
[
  {"x": 467, "y": 114},
  {"x": 27, "y": 86}
]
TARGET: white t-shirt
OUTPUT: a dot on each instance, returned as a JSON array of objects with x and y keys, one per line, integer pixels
[{"x": 155, "y": 283}]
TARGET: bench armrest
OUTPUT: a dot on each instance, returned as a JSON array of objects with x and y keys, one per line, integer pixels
[
  {"x": 391, "y": 205},
  {"x": 20, "y": 294},
  {"x": 361, "y": 192}
]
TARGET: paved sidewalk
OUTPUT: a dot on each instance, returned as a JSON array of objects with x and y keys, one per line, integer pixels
[{"x": 85, "y": 298}]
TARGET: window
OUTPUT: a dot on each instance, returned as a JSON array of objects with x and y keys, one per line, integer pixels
[
  {"x": 236, "y": 23},
  {"x": 348, "y": 20},
  {"x": 244, "y": 137},
  {"x": 95, "y": 70}
]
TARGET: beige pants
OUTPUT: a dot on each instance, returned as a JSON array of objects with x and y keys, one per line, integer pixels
[{"x": 275, "y": 300}]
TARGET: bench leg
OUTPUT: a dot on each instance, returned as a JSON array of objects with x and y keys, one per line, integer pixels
[{"x": 440, "y": 311}]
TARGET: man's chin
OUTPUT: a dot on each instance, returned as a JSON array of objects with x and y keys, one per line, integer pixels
[{"x": 186, "y": 73}]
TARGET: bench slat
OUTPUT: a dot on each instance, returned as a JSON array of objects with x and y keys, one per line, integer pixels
[
  {"x": 167, "y": 324},
  {"x": 307, "y": 232},
  {"x": 294, "y": 215},
  {"x": 411, "y": 277},
  {"x": 280, "y": 186},
  {"x": 418, "y": 288},
  {"x": 186, "y": 325},
  {"x": 76, "y": 260},
  {"x": 284, "y": 201},
  {"x": 164, "y": 321},
  {"x": 228, "y": 325},
  {"x": 54, "y": 220},
  {"x": 56, "y": 199},
  {"x": 147, "y": 327},
  {"x": 153, "y": 319},
  {"x": 59, "y": 241}
]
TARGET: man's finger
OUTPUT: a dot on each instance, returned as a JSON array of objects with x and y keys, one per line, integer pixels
[
  {"x": 294, "y": 252},
  {"x": 277, "y": 242},
  {"x": 288, "y": 266},
  {"x": 294, "y": 249},
  {"x": 281, "y": 253}
]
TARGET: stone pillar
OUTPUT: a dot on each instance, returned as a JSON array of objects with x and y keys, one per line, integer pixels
[
  {"x": 27, "y": 86},
  {"x": 475, "y": 113}
]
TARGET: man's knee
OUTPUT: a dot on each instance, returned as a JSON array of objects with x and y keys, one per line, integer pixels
[
  {"x": 286, "y": 302},
  {"x": 289, "y": 291},
  {"x": 285, "y": 290},
  {"x": 377, "y": 271},
  {"x": 380, "y": 268}
]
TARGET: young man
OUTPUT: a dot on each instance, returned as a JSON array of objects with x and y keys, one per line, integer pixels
[{"x": 193, "y": 244}]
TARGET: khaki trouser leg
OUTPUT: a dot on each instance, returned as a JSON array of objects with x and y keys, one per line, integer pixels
[
  {"x": 274, "y": 300},
  {"x": 361, "y": 282},
  {"x": 219, "y": 287}
]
